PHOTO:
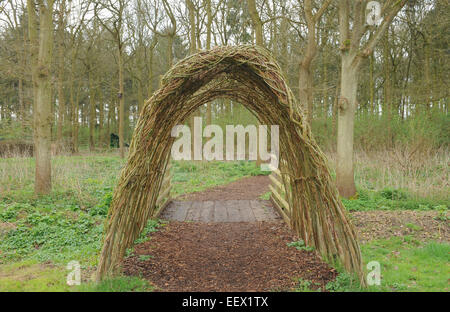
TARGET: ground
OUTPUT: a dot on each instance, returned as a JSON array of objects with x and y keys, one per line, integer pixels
[
  {"x": 232, "y": 256},
  {"x": 221, "y": 250},
  {"x": 405, "y": 227}
]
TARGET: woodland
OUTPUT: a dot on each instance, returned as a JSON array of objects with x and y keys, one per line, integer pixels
[{"x": 368, "y": 78}]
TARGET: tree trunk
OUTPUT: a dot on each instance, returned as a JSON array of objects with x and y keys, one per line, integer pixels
[
  {"x": 92, "y": 111},
  {"x": 121, "y": 104},
  {"x": 305, "y": 86},
  {"x": 74, "y": 111},
  {"x": 140, "y": 97},
  {"x": 192, "y": 50},
  {"x": 371, "y": 84},
  {"x": 257, "y": 23},
  {"x": 258, "y": 28},
  {"x": 61, "y": 99},
  {"x": 208, "y": 46},
  {"x": 427, "y": 75},
  {"x": 111, "y": 112},
  {"x": 170, "y": 39},
  {"x": 346, "y": 115},
  {"x": 387, "y": 107},
  {"x": 101, "y": 119},
  {"x": 41, "y": 67}
]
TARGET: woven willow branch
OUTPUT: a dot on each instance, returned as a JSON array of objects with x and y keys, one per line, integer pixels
[{"x": 251, "y": 76}]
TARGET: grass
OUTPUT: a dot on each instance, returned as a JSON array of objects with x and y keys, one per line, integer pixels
[
  {"x": 423, "y": 174},
  {"x": 39, "y": 235},
  {"x": 32, "y": 276},
  {"x": 408, "y": 265},
  {"x": 393, "y": 199},
  {"x": 265, "y": 196},
  {"x": 192, "y": 176},
  {"x": 118, "y": 284},
  {"x": 405, "y": 263}
]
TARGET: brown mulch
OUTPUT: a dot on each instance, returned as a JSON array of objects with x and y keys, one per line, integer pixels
[
  {"x": 245, "y": 188},
  {"x": 379, "y": 224},
  {"x": 243, "y": 256}
]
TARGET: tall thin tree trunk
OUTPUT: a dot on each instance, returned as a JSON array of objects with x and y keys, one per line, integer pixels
[
  {"x": 101, "y": 118},
  {"x": 387, "y": 107},
  {"x": 111, "y": 111},
  {"x": 170, "y": 39},
  {"x": 427, "y": 74},
  {"x": 73, "y": 108},
  {"x": 257, "y": 23},
  {"x": 192, "y": 50},
  {"x": 41, "y": 68},
  {"x": 346, "y": 112},
  {"x": 305, "y": 86},
  {"x": 60, "y": 82},
  {"x": 208, "y": 46},
  {"x": 92, "y": 110},
  {"x": 121, "y": 105},
  {"x": 371, "y": 84},
  {"x": 259, "y": 41}
]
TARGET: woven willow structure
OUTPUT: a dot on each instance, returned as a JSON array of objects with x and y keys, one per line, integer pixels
[{"x": 251, "y": 76}]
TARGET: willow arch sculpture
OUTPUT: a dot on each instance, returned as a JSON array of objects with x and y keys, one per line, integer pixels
[{"x": 250, "y": 75}]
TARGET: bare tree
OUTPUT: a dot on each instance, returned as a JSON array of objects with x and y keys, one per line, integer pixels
[
  {"x": 115, "y": 26},
  {"x": 60, "y": 81},
  {"x": 257, "y": 22},
  {"x": 41, "y": 57},
  {"x": 305, "y": 78},
  {"x": 354, "y": 49}
]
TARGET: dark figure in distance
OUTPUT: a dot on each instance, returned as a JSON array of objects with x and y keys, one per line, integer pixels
[{"x": 114, "y": 141}]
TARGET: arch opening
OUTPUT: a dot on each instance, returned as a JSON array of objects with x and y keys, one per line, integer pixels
[{"x": 248, "y": 75}]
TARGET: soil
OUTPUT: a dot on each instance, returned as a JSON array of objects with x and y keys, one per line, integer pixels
[
  {"x": 239, "y": 256},
  {"x": 379, "y": 224}
]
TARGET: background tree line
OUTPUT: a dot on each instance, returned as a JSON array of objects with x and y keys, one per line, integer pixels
[{"x": 74, "y": 71}]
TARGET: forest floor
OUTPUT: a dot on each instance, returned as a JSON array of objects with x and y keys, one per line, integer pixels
[
  {"x": 226, "y": 256},
  {"x": 406, "y": 233}
]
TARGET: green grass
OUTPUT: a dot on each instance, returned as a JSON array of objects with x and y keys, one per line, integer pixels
[
  {"x": 32, "y": 276},
  {"x": 190, "y": 176},
  {"x": 392, "y": 199},
  {"x": 406, "y": 265},
  {"x": 266, "y": 196},
  {"x": 117, "y": 284}
]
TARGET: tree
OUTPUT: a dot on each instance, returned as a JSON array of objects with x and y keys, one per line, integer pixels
[
  {"x": 305, "y": 81},
  {"x": 114, "y": 25},
  {"x": 354, "y": 49},
  {"x": 60, "y": 81},
  {"x": 75, "y": 41},
  {"x": 257, "y": 23},
  {"x": 208, "y": 46},
  {"x": 258, "y": 28},
  {"x": 41, "y": 58}
]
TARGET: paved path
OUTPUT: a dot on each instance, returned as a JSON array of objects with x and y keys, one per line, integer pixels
[{"x": 220, "y": 211}]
